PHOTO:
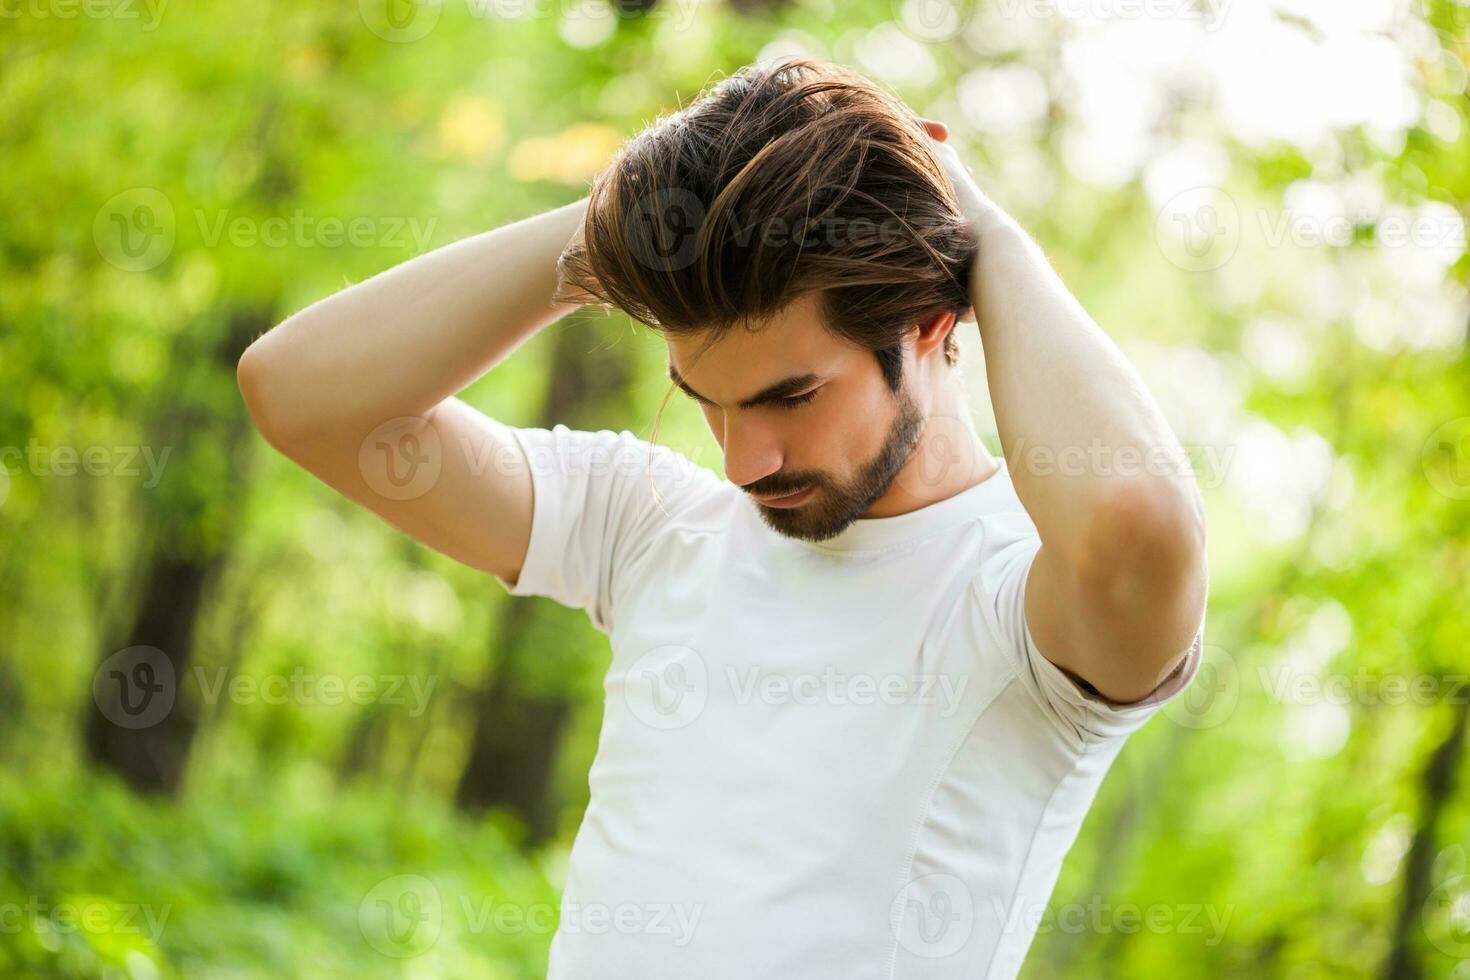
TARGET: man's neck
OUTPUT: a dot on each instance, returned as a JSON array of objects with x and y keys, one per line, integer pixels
[{"x": 949, "y": 459}]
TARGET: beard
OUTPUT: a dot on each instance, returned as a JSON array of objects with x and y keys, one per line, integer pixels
[{"x": 834, "y": 505}]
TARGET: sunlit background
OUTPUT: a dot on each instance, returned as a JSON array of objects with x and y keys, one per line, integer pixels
[{"x": 1262, "y": 200}]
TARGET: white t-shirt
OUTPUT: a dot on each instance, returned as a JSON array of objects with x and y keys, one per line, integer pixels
[{"x": 842, "y": 760}]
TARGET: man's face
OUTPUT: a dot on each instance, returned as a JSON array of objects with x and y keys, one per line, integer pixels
[{"x": 794, "y": 408}]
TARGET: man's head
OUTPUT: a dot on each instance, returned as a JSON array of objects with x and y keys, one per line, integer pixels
[{"x": 791, "y": 223}]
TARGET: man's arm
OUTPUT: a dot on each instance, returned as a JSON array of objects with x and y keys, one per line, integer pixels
[
  {"x": 363, "y": 381},
  {"x": 1117, "y": 591}
]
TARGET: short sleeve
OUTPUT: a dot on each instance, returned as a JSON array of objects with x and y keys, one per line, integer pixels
[
  {"x": 1074, "y": 705},
  {"x": 599, "y": 499}
]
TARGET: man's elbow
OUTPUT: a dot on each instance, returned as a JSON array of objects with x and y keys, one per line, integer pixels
[
  {"x": 1161, "y": 514},
  {"x": 1145, "y": 549},
  {"x": 262, "y": 388}
]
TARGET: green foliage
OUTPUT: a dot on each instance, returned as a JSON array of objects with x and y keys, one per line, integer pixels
[
  {"x": 265, "y": 880},
  {"x": 171, "y": 174}
]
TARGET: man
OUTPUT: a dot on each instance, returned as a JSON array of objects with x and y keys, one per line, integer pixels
[{"x": 863, "y": 689}]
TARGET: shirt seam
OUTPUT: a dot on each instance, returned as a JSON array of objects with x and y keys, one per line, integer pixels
[
  {"x": 633, "y": 567},
  {"x": 923, "y": 818},
  {"x": 546, "y": 518},
  {"x": 1025, "y": 867}
]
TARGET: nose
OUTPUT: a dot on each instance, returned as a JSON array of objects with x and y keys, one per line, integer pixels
[{"x": 751, "y": 451}]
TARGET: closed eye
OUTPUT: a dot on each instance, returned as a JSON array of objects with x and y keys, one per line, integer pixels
[
  {"x": 795, "y": 401},
  {"x": 787, "y": 404}
]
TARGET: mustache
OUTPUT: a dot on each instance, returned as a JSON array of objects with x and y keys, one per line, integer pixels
[{"x": 780, "y": 488}]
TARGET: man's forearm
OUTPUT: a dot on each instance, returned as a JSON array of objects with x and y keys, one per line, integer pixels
[
  {"x": 1088, "y": 447},
  {"x": 401, "y": 342}
]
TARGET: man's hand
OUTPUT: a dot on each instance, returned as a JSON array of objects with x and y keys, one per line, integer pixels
[{"x": 983, "y": 213}]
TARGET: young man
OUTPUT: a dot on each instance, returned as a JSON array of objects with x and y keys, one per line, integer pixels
[{"x": 865, "y": 687}]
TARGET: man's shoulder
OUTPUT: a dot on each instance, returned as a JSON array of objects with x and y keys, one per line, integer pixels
[
  {"x": 612, "y": 455},
  {"x": 649, "y": 486}
]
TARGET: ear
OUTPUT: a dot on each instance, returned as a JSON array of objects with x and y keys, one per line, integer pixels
[{"x": 931, "y": 333}]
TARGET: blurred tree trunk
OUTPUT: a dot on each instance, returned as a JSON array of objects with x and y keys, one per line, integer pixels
[
  {"x": 517, "y": 734},
  {"x": 1438, "y": 783},
  {"x": 195, "y": 519},
  {"x": 364, "y": 753},
  {"x": 12, "y": 585},
  {"x": 519, "y": 715},
  {"x": 194, "y": 511},
  {"x": 764, "y": 8}
]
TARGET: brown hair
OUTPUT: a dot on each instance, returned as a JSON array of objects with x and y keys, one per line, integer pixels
[{"x": 785, "y": 178}]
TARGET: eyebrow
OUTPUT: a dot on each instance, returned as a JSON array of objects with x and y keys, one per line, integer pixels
[{"x": 785, "y": 388}]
